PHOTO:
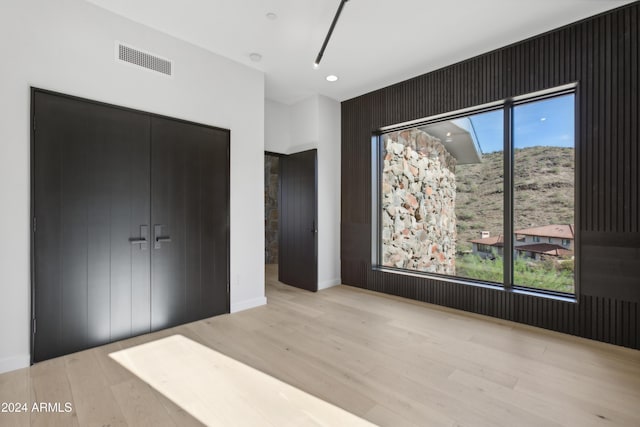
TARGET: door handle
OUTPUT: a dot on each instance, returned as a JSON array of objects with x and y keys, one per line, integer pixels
[
  {"x": 142, "y": 240},
  {"x": 159, "y": 238}
]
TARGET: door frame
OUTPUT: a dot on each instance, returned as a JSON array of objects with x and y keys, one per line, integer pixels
[{"x": 32, "y": 219}]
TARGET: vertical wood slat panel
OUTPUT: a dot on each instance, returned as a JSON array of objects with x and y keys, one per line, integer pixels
[{"x": 601, "y": 54}]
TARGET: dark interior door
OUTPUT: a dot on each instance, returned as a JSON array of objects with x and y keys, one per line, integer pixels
[
  {"x": 91, "y": 207},
  {"x": 190, "y": 176},
  {"x": 131, "y": 223},
  {"x": 298, "y": 242}
]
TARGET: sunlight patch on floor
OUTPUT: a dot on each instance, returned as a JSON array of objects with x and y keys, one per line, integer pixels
[{"x": 220, "y": 391}]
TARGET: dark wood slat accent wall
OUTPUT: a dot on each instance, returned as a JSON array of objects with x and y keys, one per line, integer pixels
[{"x": 601, "y": 55}]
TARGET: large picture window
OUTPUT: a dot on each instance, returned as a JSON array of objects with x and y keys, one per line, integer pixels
[{"x": 450, "y": 189}]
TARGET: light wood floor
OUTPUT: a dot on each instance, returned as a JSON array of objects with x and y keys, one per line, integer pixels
[{"x": 390, "y": 361}]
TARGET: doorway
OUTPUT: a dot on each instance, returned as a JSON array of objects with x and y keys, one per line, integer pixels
[
  {"x": 291, "y": 214},
  {"x": 271, "y": 209}
]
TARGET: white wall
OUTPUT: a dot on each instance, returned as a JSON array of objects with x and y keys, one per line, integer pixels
[
  {"x": 304, "y": 125},
  {"x": 328, "y": 192},
  {"x": 277, "y": 124},
  {"x": 314, "y": 123},
  {"x": 68, "y": 46}
]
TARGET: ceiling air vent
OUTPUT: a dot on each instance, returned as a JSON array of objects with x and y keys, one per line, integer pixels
[{"x": 143, "y": 59}]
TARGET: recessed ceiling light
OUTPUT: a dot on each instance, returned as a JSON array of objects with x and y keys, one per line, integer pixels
[
  {"x": 255, "y": 57},
  {"x": 332, "y": 78},
  {"x": 271, "y": 16}
]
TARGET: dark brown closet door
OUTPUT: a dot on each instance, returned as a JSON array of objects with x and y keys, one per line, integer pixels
[
  {"x": 190, "y": 184},
  {"x": 90, "y": 204},
  {"x": 298, "y": 244}
]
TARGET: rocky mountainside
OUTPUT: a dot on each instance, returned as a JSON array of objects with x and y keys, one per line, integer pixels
[{"x": 544, "y": 192}]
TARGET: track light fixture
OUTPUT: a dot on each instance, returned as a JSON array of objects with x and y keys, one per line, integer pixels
[{"x": 316, "y": 63}]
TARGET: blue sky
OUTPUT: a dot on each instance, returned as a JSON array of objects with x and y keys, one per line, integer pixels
[{"x": 549, "y": 122}]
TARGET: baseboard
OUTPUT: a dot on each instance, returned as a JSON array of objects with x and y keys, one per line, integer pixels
[
  {"x": 246, "y": 305},
  {"x": 329, "y": 283},
  {"x": 16, "y": 362}
]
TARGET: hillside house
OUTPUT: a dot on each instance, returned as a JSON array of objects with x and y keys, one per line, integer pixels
[
  {"x": 551, "y": 240},
  {"x": 488, "y": 246}
]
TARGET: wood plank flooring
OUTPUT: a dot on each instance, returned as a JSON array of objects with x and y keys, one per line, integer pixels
[{"x": 386, "y": 360}]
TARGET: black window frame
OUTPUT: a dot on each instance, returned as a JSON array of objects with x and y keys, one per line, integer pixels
[{"x": 509, "y": 255}]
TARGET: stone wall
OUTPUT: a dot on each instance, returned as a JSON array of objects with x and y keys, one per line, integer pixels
[
  {"x": 271, "y": 187},
  {"x": 418, "y": 203}
]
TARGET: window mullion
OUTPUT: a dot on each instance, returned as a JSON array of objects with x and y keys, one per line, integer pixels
[{"x": 508, "y": 196}]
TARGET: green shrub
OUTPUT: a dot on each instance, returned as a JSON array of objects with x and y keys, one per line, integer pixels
[{"x": 526, "y": 272}]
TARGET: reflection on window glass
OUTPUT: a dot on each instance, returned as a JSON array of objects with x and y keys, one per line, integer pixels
[
  {"x": 442, "y": 198},
  {"x": 544, "y": 159}
]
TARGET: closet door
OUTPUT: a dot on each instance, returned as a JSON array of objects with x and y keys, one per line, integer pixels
[
  {"x": 190, "y": 224},
  {"x": 91, "y": 214}
]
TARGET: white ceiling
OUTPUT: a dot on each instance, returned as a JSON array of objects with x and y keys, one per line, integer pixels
[{"x": 375, "y": 43}]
